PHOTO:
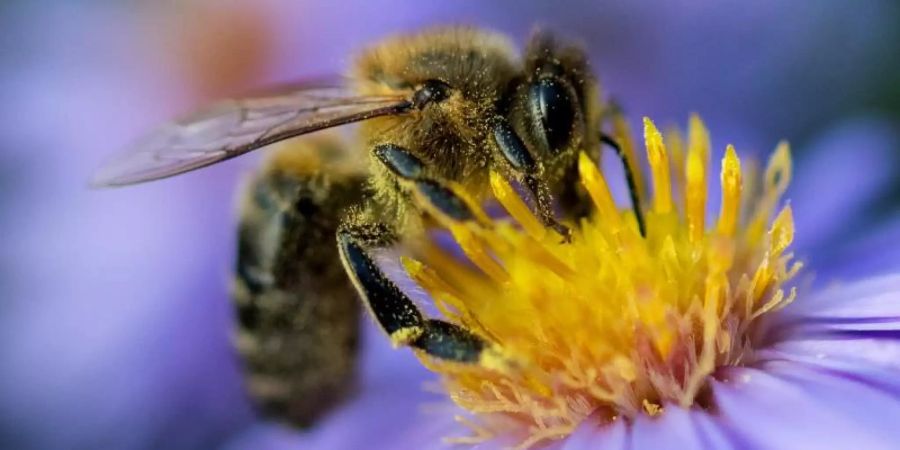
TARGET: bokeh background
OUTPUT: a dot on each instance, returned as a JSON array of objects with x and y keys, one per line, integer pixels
[{"x": 114, "y": 314}]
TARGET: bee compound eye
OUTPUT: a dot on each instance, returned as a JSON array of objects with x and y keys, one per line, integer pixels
[{"x": 553, "y": 110}]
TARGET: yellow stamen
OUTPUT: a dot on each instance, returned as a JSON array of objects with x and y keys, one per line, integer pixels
[
  {"x": 731, "y": 192},
  {"x": 659, "y": 167},
  {"x": 597, "y": 188},
  {"x": 696, "y": 170},
  {"x": 474, "y": 248},
  {"x": 775, "y": 182},
  {"x": 507, "y": 196},
  {"x": 698, "y": 138},
  {"x": 695, "y": 194},
  {"x": 678, "y": 158}
]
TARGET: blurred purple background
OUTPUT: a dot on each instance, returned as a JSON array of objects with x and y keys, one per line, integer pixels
[{"x": 114, "y": 318}]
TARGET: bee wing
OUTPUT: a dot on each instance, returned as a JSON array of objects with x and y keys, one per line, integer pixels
[{"x": 233, "y": 127}]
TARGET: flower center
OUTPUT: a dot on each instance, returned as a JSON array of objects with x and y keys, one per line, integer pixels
[{"x": 613, "y": 324}]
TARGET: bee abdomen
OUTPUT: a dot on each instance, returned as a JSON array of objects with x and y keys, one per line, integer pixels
[{"x": 297, "y": 311}]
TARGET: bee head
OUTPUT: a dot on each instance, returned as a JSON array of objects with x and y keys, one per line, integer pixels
[{"x": 554, "y": 105}]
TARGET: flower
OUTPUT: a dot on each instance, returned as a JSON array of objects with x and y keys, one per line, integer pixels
[
  {"x": 614, "y": 325},
  {"x": 138, "y": 327},
  {"x": 687, "y": 338}
]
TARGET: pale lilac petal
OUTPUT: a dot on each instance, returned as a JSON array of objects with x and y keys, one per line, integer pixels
[
  {"x": 875, "y": 362},
  {"x": 382, "y": 364},
  {"x": 870, "y": 305},
  {"x": 837, "y": 178},
  {"x": 615, "y": 436},
  {"x": 678, "y": 428},
  {"x": 789, "y": 406},
  {"x": 868, "y": 252},
  {"x": 379, "y": 416},
  {"x": 435, "y": 424},
  {"x": 850, "y": 331},
  {"x": 872, "y": 401},
  {"x": 265, "y": 435}
]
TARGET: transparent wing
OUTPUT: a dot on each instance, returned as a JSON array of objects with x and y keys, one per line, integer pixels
[{"x": 233, "y": 127}]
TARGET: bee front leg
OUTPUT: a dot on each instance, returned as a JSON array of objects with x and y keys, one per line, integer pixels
[
  {"x": 394, "y": 311},
  {"x": 435, "y": 196},
  {"x": 516, "y": 154}
]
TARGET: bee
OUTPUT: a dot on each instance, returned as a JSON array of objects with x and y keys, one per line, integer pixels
[{"x": 437, "y": 111}]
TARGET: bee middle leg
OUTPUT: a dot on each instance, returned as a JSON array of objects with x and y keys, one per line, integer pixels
[
  {"x": 363, "y": 234},
  {"x": 394, "y": 311}
]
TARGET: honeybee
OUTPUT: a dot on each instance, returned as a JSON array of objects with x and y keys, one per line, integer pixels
[{"x": 438, "y": 111}]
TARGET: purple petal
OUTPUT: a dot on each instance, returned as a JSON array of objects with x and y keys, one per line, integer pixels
[
  {"x": 787, "y": 405},
  {"x": 875, "y": 365},
  {"x": 678, "y": 428},
  {"x": 266, "y": 435},
  {"x": 867, "y": 306},
  {"x": 863, "y": 254},
  {"x": 589, "y": 435},
  {"x": 380, "y": 415},
  {"x": 845, "y": 170},
  {"x": 852, "y": 331}
]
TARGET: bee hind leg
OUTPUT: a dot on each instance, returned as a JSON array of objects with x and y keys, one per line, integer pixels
[
  {"x": 615, "y": 114},
  {"x": 630, "y": 180}
]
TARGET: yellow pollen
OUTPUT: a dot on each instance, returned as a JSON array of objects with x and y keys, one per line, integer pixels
[{"x": 613, "y": 324}]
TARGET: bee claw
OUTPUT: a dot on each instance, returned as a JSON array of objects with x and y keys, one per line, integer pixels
[{"x": 562, "y": 230}]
